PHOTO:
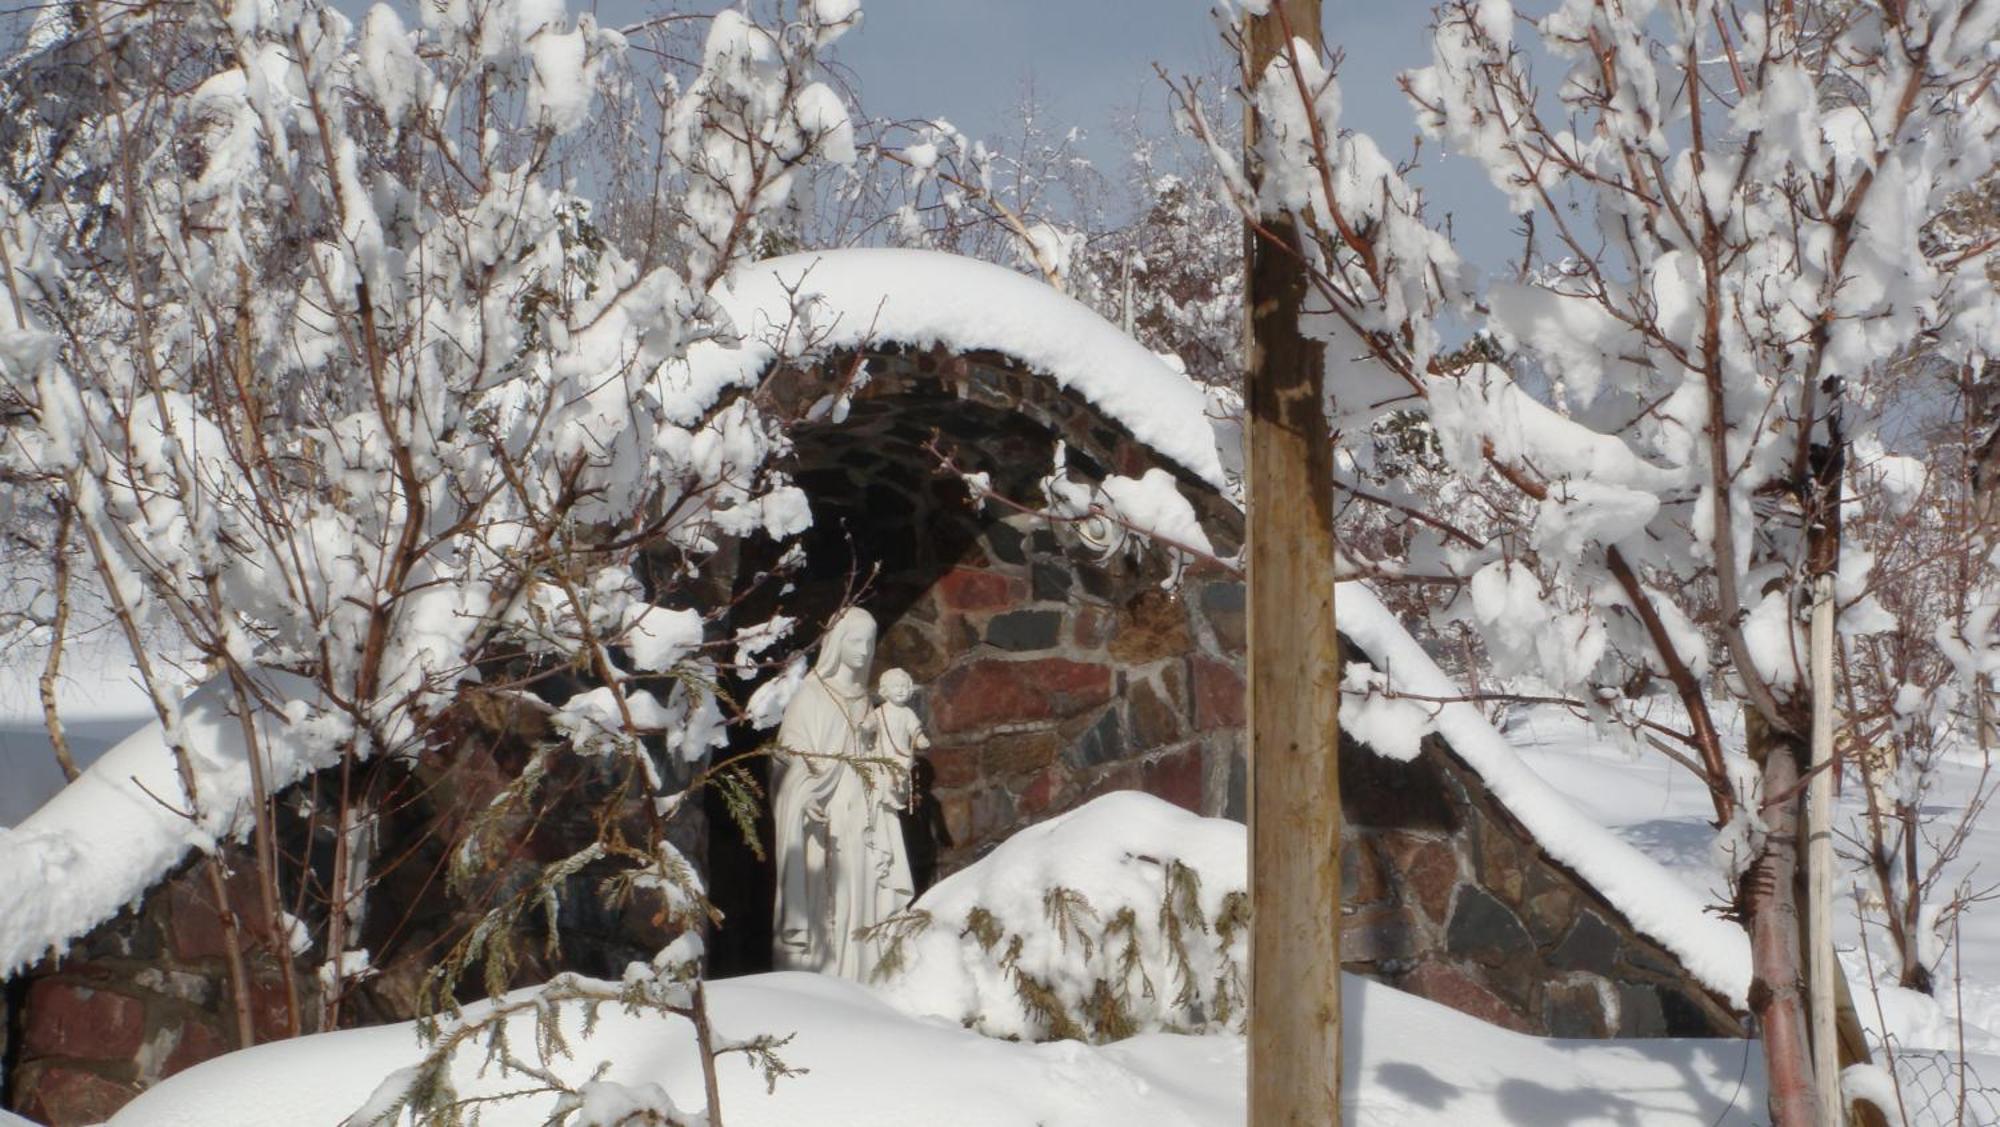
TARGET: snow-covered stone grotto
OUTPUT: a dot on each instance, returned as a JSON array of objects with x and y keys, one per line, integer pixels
[{"x": 1057, "y": 662}]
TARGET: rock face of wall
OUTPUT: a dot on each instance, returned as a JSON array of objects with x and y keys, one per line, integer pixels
[
  {"x": 1447, "y": 897},
  {"x": 1055, "y": 680},
  {"x": 143, "y": 997}
]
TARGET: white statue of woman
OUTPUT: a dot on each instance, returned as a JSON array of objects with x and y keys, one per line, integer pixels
[{"x": 841, "y": 860}]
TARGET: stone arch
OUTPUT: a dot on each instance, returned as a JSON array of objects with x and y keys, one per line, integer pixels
[
  {"x": 1048, "y": 675},
  {"x": 1052, "y": 676}
]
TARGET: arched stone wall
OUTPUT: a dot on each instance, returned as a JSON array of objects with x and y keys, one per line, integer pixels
[
  {"x": 1046, "y": 673},
  {"x": 1051, "y": 676}
]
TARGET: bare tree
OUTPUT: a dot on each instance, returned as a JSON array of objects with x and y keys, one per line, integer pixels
[{"x": 1726, "y": 207}]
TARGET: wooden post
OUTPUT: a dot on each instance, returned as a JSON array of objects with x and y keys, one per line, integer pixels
[{"x": 1294, "y": 1020}]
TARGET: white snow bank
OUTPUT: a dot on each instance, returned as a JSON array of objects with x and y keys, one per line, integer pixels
[
  {"x": 921, "y": 297},
  {"x": 1655, "y": 901},
  {"x": 1083, "y": 894},
  {"x": 103, "y": 840},
  {"x": 1408, "y": 1062}
]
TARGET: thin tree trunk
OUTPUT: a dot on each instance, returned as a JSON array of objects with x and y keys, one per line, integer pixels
[
  {"x": 1819, "y": 857},
  {"x": 59, "y": 631},
  {"x": 1294, "y": 1018},
  {"x": 1770, "y": 893}
]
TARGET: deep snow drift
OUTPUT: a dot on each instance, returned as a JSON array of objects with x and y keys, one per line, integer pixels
[
  {"x": 903, "y": 1055},
  {"x": 1409, "y": 1062}
]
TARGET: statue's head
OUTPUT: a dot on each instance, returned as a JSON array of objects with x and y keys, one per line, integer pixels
[
  {"x": 849, "y": 645},
  {"x": 896, "y": 687}
]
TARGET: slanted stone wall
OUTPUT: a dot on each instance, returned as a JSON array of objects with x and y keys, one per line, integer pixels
[
  {"x": 142, "y": 997},
  {"x": 1446, "y": 896}
]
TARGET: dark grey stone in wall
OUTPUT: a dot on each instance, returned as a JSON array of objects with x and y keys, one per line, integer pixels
[
  {"x": 1024, "y": 630},
  {"x": 1591, "y": 946},
  {"x": 1483, "y": 930},
  {"x": 1103, "y": 743},
  {"x": 1639, "y": 1013},
  {"x": 1051, "y": 582},
  {"x": 1006, "y": 543}
]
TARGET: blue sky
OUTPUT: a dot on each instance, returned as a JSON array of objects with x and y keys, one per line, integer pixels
[{"x": 969, "y": 61}]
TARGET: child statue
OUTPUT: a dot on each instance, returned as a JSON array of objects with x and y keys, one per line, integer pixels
[
  {"x": 899, "y": 737},
  {"x": 898, "y": 734}
]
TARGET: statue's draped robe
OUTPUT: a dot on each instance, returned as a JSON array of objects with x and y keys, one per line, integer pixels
[{"x": 841, "y": 860}]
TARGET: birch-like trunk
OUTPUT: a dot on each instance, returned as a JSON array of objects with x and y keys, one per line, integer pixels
[{"x": 1771, "y": 899}]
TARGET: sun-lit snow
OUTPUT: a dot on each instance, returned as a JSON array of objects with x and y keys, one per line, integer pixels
[
  {"x": 105, "y": 839},
  {"x": 1662, "y": 810},
  {"x": 1408, "y": 1063},
  {"x": 1060, "y": 889},
  {"x": 855, "y": 297}
]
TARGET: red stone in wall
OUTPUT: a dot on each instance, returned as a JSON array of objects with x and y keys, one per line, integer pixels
[
  {"x": 196, "y": 931},
  {"x": 1430, "y": 873},
  {"x": 1452, "y": 987},
  {"x": 1040, "y": 792},
  {"x": 67, "y": 1019},
  {"x": 985, "y": 693},
  {"x": 1218, "y": 694},
  {"x": 1176, "y": 777},
  {"x": 270, "y": 1014},
  {"x": 964, "y": 588},
  {"x": 955, "y": 766},
  {"x": 64, "y": 1096},
  {"x": 197, "y": 1042}
]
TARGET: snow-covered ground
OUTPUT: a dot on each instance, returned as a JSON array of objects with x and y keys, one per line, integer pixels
[
  {"x": 1409, "y": 1063},
  {"x": 1660, "y": 808}
]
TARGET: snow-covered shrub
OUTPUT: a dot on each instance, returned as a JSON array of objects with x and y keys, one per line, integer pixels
[
  {"x": 311, "y": 339},
  {"x": 1127, "y": 915}
]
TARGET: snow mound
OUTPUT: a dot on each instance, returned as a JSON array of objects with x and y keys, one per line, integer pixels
[
  {"x": 106, "y": 838},
  {"x": 865, "y": 296},
  {"x": 867, "y": 1060},
  {"x": 1714, "y": 950},
  {"x": 1408, "y": 1062},
  {"x": 1125, "y": 915}
]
